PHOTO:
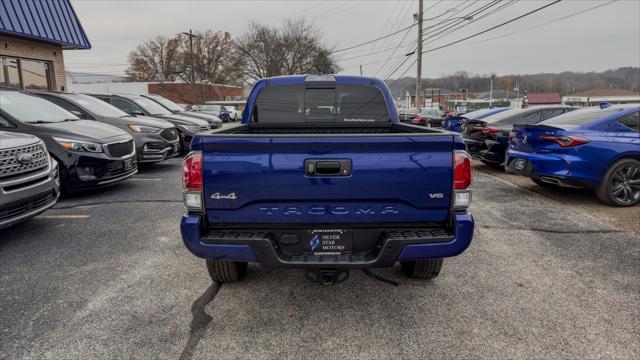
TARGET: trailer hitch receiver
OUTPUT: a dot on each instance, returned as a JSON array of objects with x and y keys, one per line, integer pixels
[{"x": 327, "y": 276}]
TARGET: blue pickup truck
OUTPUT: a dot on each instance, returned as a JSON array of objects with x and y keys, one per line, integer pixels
[{"x": 321, "y": 176}]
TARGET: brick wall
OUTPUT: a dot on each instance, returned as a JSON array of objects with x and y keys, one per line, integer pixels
[
  {"x": 21, "y": 48},
  {"x": 185, "y": 93}
]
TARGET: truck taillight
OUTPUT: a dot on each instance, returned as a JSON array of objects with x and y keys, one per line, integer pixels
[
  {"x": 462, "y": 178},
  {"x": 463, "y": 170},
  {"x": 192, "y": 180}
]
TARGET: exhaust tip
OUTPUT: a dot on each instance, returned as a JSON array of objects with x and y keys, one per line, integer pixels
[{"x": 550, "y": 180}]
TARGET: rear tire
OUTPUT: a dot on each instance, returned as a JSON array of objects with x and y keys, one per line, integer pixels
[
  {"x": 423, "y": 269},
  {"x": 621, "y": 184},
  {"x": 226, "y": 271}
]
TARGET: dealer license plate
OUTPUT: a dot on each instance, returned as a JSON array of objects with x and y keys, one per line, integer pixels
[
  {"x": 519, "y": 164},
  {"x": 328, "y": 241}
]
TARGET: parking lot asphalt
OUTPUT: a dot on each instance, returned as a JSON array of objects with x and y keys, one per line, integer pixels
[{"x": 105, "y": 275}]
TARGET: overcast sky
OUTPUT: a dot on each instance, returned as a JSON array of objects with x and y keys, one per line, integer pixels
[{"x": 605, "y": 38}]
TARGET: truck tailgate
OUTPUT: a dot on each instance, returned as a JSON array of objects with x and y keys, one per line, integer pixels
[{"x": 392, "y": 179}]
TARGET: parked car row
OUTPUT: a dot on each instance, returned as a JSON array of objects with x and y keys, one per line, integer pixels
[
  {"x": 454, "y": 123},
  {"x": 56, "y": 142},
  {"x": 487, "y": 138},
  {"x": 225, "y": 113},
  {"x": 559, "y": 146}
]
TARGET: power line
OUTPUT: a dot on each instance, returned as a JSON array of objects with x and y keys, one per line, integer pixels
[
  {"x": 374, "y": 40},
  {"x": 403, "y": 73},
  {"x": 453, "y": 28},
  {"x": 432, "y": 6},
  {"x": 434, "y": 27},
  {"x": 384, "y": 28},
  {"x": 493, "y": 27},
  {"x": 543, "y": 24},
  {"x": 393, "y": 53},
  {"x": 379, "y": 51},
  {"x": 424, "y": 32},
  {"x": 407, "y": 14},
  {"x": 371, "y": 63},
  {"x": 461, "y": 19},
  {"x": 471, "y": 36},
  {"x": 402, "y": 14}
]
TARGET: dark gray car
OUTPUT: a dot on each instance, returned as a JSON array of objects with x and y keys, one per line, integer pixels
[
  {"x": 429, "y": 117},
  {"x": 136, "y": 105},
  {"x": 155, "y": 139},
  {"x": 29, "y": 182}
]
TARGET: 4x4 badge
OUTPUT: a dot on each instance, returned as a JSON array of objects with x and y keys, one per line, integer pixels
[{"x": 217, "y": 196}]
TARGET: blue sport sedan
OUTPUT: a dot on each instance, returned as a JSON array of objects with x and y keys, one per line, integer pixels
[
  {"x": 454, "y": 123},
  {"x": 596, "y": 147}
]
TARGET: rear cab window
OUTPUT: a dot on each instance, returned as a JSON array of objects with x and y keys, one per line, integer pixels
[{"x": 342, "y": 104}]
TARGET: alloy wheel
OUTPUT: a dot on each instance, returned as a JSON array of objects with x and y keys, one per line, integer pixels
[{"x": 625, "y": 184}]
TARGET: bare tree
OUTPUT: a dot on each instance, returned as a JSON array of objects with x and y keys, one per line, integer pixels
[
  {"x": 155, "y": 60},
  {"x": 295, "y": 48},
  {"x": 215, "y": 58}
]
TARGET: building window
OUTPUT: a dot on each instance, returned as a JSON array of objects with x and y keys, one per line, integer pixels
[
  {"x": 26, "y": 74},
  {"x": 36, "y": 75},
  {"x": 10, "y": 73}
]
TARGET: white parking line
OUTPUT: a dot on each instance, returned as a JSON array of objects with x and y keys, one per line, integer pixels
[
  {"x": 143, "y": 179},
  {"x": 64, "y": 216}
]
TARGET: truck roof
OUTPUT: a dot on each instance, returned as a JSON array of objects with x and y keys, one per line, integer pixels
[{"x": 301, "y": 79}]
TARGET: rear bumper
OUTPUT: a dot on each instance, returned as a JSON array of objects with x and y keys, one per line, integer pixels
[
  {"x": 259, "y": 246},
  {"x": 551, "y": 168},
  {"x": 25, "y": 196},
  {"x": 40, "y": 199},
  {"x": 474, "y": 147},
  {"x": 494, "y": 152}
]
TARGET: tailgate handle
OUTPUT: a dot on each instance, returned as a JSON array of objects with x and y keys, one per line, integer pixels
[{"x": 327, "y": 167}]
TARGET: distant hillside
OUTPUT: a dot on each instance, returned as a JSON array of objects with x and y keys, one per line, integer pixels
[{"x": 564, "y": 83}]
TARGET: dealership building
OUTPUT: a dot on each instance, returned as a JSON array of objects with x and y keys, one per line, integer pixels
[{"x": 33, "y": 35}]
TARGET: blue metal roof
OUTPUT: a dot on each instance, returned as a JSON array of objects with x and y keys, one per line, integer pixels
[{"x": 52, "y": 21}]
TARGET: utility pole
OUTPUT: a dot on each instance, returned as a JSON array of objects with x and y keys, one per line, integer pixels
[
  {"x": 360, "y": 70},
  {"x": 419, "y": 55},
  {"x": 491, "y": 91},
  {"x": 191, "y": 36}
]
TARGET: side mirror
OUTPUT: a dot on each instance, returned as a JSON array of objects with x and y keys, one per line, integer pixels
[
  {"x": 137, "y": 113},
  {"x": 77, "y": 113}
]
